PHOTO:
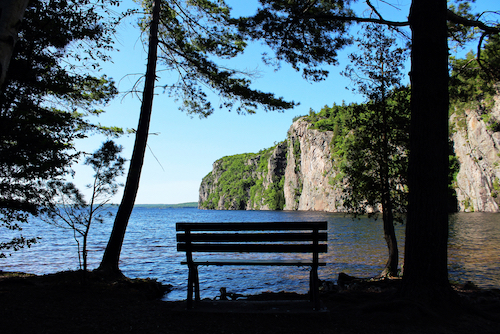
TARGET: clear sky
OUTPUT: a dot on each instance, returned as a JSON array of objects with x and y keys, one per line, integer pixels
[{"x": 183, "y": 148}]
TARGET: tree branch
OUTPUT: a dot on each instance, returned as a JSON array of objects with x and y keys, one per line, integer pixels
[
  {"x": 453, "y": 17},
  {"x": 374, "y": 9},
  {"x": 329, "y": 17}
]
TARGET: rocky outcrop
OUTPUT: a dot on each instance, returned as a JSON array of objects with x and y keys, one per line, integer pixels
[
  {"x": 296, "y": 174},
  {"x": 477, "y": 146},
  {"x": 252, "y": 181},
  {"x": 309, "y": 172},
  {"x": 267, "y": 192},
  {"x": 299, "y": 173}
]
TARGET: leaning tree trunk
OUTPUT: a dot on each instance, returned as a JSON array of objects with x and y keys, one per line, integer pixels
[
  {"x": 391, "y": 267},
  {"x": 425, "y": 275},
  {"x": 109, "y": 263},
  {"x": 11, "y": 14}
]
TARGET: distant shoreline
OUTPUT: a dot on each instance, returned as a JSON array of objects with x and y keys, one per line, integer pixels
[{"x": 167, "y": 206}]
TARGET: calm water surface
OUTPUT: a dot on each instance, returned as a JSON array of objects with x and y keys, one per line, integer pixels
[{"x": 355, "y": 247}]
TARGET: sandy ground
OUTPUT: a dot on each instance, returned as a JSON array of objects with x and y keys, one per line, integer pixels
[{"x": 60, "y": 303}]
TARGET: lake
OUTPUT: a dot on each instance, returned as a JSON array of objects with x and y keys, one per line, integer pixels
[{"x": 355, "y": 247}]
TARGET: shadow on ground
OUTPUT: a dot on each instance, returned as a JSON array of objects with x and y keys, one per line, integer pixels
[{"x": 63, "y": 303}]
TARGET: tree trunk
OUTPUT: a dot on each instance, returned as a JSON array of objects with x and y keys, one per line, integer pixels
[
  {"x": 109, "y": 264},
  {"x": 391, "y": 267},
  {"x": 425, "y": 268},
  {"x": 11, "y": 14}
]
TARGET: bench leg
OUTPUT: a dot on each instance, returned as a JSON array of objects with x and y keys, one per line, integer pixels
[
  {"x": 189, "y": 298},
  {"x": 196, "y": 283},
  {"x": 193, "y": 284},
  {"x": 314, "y": 287}
]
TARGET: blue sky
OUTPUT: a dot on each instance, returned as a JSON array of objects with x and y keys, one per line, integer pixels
[{"x": 184, "y": 148}]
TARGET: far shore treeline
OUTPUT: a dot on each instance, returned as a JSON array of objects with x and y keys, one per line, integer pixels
[{"x": 167, "y": 206}]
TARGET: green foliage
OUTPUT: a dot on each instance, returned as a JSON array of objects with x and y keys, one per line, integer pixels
[
  {"x": 458, "y": 33},
  {"x": 496, "y": 187},
  {"x": 257, "y": 191},
  {"x": 241, "y": 183},
  {"x": 192, "y": 36},
  {"x": 468, "y": 205},
  {"x": 312, "y": 43},
  {"x": 377, "y": 66},
  {"x": 375, "y": 152},
  {"x": 496, "y": 184},
  {"x": 213, "y": 198},
  {"x": 473, "y": 81},
  {"x": 234, "y": 182},
  {"x": 453, "y": 169},
  {"x": 297, "y": 154},
  {"x": 67, "y": 207},
  {"x": 371, "y": 139},
  {"x": 46, "y": 97},
  {"x": 273, "y": 195},
  {"x": 357, "y": 153},
  {"x": 329, "y": 119}
]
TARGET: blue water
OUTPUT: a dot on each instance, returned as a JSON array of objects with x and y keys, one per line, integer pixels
[{"x": 356, "y": 247}]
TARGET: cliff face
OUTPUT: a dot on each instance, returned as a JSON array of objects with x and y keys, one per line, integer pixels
[
  {"x": 309, "y": 171},
  {"x": 298, "y": 174},
  {"x": 477, "y": 146},
  {"x": 267, "y": 194},
  {"x": 246, "y": 181}
]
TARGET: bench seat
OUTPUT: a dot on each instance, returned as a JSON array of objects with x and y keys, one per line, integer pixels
[
  {"x": 236, "y": 262},
  {"x": 305, "y": 239}
]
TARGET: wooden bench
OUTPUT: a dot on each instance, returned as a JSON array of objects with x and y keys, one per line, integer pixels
[{"x": 250, "y": 237}]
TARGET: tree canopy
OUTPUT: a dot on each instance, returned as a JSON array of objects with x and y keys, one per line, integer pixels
[
  {"x": 50, "y": 88},
  {"x": 474, "y": 79},
  {"x": 195, "y": 37}
]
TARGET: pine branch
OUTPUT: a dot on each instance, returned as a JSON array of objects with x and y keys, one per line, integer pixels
[{"x": 453, "y": 17}]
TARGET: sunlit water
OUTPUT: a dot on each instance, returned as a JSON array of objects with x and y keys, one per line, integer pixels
[{"x": 355, "y": 247}]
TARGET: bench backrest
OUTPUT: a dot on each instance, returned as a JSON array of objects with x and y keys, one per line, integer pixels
[{"x": 269, "y": 237}]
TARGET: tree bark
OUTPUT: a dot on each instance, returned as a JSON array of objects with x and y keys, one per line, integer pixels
[
  {"x": 110, "y": 261},
  {"x": 425, "y": 268},
  {"x": 11, "y": 15},
  {"x": 391, "y": 267}
]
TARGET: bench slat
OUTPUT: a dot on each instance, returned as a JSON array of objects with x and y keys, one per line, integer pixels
[
  {"x": 281, "y": 237},
  {"x": 235, "y": 262},
  {"x": 252, "y": 237},
  {"x": 253, "y": 248},
  {"x": 257, "y": 226}
]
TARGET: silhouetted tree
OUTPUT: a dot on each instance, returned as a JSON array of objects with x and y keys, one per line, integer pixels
[
  {"x": 45, "y": 100},
  {"x": 11, "y": 14},
  {"x": 375, "y": 153},
  {"x": 188, "y": 34},
  {"x": 111, "y": 257},
  {"x": 69, "y": 209},
  {"x": 310, "y": 33}
]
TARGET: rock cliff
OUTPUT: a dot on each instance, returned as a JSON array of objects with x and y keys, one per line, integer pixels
[
  {"x": 298, "y": 173},
  {"x": 249, "y": 181},
  {"x": 309, "y": 172},
  {"x": 476, "y": 142}
]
